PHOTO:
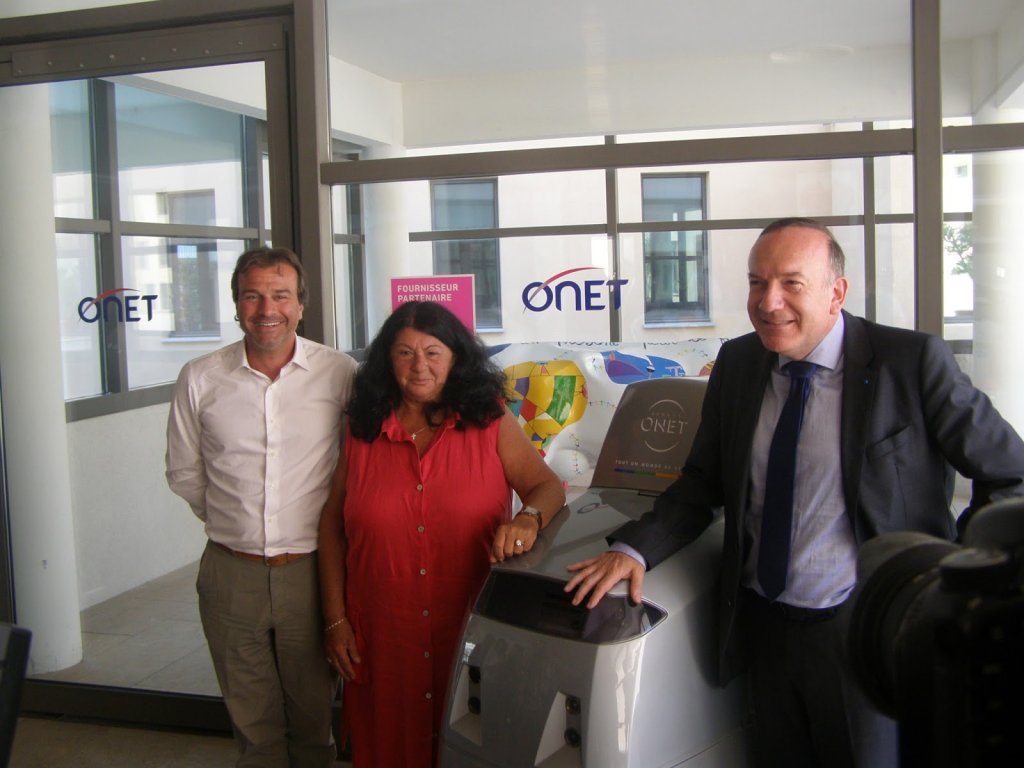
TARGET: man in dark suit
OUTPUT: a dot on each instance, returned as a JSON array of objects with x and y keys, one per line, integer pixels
[{"x": 888, "y": 415}]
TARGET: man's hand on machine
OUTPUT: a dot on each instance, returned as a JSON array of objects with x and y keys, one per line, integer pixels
[{"x": 594, "y": 577}]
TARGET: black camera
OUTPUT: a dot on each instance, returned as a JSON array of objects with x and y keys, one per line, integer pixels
[{"x": 937, "y": 639}]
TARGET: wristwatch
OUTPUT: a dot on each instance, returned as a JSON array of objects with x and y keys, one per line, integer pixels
[{"x": 535, "y": 514}]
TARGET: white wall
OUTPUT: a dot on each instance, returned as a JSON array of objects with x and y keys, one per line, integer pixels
[
  {"x": 129, "y": 527},
  {"x": 365, "y": 108}
]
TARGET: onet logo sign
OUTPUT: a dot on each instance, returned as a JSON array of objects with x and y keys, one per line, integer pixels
[
  {"x": 585, "y": 296},
  {"x": 664, "y": 425},
  {"x": 127, "y": 307}
]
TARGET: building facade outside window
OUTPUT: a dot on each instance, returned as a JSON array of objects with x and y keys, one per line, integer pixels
[
  {"x": 675, "y": 263},
  {"x": 193, "y": 265},
  {"x": 467, "y": 205}
]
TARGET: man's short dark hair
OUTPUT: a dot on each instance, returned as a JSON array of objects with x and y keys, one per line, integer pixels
[
  {"x": 268, "y": 257},
  {"x": 836, "y": 257}
]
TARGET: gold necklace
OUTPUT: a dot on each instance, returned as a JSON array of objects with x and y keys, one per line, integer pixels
[{"x": 413, "y": 434}]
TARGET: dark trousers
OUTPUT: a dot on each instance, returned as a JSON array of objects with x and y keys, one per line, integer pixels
[{"x": 808, "y": 709}]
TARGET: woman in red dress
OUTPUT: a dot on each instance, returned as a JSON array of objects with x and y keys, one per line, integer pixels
[{"x": 420, "y": 507}]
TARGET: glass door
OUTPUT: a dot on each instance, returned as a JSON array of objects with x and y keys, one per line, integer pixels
[{"x": 141, "y": 186}]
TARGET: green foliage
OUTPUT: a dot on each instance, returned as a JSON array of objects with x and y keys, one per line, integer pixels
[{"x": 959, "y": 239}]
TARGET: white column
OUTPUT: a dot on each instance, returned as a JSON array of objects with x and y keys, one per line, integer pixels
[
  {"x": 999, "y": 274},
  {"x": 42, "y": 531}
]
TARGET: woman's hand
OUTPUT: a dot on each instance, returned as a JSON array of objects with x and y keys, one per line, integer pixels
[
  {"x": 342, "y": 654},
  {"x": 515, "y": 538},
  {"x": 534, "y": 482}
]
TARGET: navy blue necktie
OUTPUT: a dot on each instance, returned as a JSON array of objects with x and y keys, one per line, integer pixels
[{"x": 777, "y": 518}]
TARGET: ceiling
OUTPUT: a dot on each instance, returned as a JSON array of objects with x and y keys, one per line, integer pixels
[{"x": 416, "y": 40}]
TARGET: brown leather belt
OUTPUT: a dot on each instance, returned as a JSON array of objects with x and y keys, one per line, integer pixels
[{"x": 272, "y": 561}]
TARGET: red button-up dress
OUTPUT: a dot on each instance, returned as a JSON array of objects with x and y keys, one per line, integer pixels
[{"x": 419, "y": 533}]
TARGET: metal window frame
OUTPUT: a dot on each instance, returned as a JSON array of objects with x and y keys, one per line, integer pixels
[
  {"x": 703, "y": 260},
  {"x": 611, "y": 157},
  {"x": 116, "y": 41},
  {"x": 866, "y": 145},
  {"x": 176, "y": 34},
  {"x": 111, "y": 230}
]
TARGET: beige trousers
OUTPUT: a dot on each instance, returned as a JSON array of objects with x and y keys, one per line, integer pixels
[{"x": 265, "y": 633}]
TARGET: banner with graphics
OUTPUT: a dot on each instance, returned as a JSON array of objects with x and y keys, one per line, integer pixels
[{"x": 565, "y": 393}]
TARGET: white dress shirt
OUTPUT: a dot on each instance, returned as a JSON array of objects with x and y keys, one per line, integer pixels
[{"x": 254, "y": 457}]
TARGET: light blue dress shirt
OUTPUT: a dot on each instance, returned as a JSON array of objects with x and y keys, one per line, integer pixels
[
  {"x": 823, "y": 550},
  {"x": 823, "y": 553}
]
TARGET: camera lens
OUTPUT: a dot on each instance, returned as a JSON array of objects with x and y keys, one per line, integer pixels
[{"x": 893, "y": 572}]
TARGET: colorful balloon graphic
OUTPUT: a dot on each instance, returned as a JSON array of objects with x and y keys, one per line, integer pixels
[
  {"x": 625, "y": 369},
  {"x": 546, "y": 396}
]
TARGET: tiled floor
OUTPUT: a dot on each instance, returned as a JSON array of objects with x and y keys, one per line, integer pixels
[
  {"x": 148, "y": 637},
  {"x": 48, "y": 743}
]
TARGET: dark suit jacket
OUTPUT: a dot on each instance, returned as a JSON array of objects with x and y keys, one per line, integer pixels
[{"x": 909, "y": 414}]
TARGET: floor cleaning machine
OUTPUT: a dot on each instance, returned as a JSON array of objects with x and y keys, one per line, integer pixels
[{"x": 540, "y": 682}]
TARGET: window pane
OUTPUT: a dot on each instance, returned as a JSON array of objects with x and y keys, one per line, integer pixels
[
  {"x": 181, "y": 306},
  {"x": 673, "y": 198},
  {"x": 675, "y": 262},
  {"x": 349, "y": 314},
  {"x": 349, "y": 267},
  {"x": 480, "y": 259},
  {"x": 184, "y": 178},
  {"x": 466, "y": 205},
  {"x": 958, "y": 256},
  {"x": 553, "y": 288},
  {"x": 664, "y": 277},
  {"x": 537, "y": 199},
  {"x": 179, "y": 162},
  {"x": 80, "y": 334},
  {"x": 71, "y": 142},
  {"x": 761, "y": 190},
  {"x": 894, "y": 184},
  {"x": 989, "y": 256},
  {"x": 265, "y": 202},
  {"x": 895, "y": 298}
]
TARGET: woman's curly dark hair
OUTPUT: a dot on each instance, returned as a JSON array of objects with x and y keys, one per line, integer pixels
[{"x": 475, "y": 388}]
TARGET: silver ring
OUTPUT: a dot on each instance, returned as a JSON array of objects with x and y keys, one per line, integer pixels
[{"x": 519, "y": 542}]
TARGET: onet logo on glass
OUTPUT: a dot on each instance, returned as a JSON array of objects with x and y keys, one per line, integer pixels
[
  {"x": 585, "y": 297},
  {"x": 91, "y": 310}
]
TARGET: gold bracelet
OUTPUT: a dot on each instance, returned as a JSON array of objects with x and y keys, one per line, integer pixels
[{"x": 334, "y": 624}]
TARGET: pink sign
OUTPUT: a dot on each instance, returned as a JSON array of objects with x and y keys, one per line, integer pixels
[{"x": 455, "y": 292}]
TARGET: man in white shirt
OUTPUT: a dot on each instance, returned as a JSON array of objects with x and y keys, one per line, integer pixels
[{"x": 252, "y": 441}]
